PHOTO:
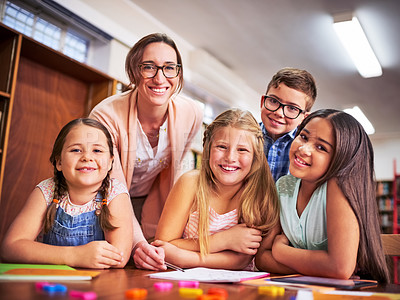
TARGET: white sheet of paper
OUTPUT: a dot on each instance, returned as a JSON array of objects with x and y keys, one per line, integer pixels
[{"x": 209, "y": 275}]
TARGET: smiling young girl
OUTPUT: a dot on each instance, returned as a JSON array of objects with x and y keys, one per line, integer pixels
[
  {"x": 215, "y": 217},
  {"x": 84, "y": 216},
  {"x": 328, "y": 208}
]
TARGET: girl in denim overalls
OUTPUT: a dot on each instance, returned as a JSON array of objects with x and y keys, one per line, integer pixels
[{"x": 81, "y": 216}]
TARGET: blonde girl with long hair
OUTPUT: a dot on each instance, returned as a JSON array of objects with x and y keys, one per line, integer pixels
[{"x": 217, "y": 216}]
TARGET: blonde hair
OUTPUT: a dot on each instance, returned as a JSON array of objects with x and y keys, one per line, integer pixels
[{"x": 259, "y": 206}]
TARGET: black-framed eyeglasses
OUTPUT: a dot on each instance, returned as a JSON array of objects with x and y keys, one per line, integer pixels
[
  {"x": 289, "y": 111},
  {"x": 150, "y": 70}
]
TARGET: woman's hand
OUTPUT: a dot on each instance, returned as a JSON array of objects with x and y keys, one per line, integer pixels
[
  {"x": 96, "y": 255},
  {"x": 149, "y": 257}
]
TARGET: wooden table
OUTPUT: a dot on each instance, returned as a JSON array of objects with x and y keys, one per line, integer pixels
[{"x": 112, "y": 284}]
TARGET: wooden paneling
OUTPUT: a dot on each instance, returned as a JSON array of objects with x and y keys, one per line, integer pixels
[
  {"x": 10, "y": 53},
  {"x": 8, "y": 42},
  {"x": 44, "y": 90},
  {"x": 44, "y": 102},
  {"x": 99, "y": 91}
]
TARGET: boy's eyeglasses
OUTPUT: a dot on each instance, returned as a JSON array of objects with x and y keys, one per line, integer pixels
[
  {"x": 150, "y": 70},
  {"x": 273, "y": 104}
]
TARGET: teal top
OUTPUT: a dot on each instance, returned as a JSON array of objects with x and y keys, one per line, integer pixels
[{"x": 309, "y": 230}]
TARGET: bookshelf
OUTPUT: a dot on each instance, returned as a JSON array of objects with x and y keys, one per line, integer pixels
[
  {"x": 396, "y": 200},
  {"x": 396, "y": 215},
  {"x": 40, "y": 91},
  {"x": 384, "y": 198}
]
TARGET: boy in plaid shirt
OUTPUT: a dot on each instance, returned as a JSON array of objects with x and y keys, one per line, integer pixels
[{"x": 290, "y": 96}]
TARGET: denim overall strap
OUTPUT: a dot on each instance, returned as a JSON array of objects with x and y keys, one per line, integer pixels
[{"x": 76, "y": 230}]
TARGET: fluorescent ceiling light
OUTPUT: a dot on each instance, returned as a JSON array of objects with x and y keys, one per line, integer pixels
[
  {"x": 357, "y": 113},
  {"x": 356, "y": 43}
]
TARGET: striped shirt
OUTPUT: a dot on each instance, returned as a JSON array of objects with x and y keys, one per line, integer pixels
[
  {"x": 217, "y": 223},
  {"x": 277, "y": 152}
]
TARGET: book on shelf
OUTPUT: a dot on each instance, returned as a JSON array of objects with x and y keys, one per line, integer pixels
[
  {"x": 385, "y": 204},
  {"x": 383, "y": 188}
]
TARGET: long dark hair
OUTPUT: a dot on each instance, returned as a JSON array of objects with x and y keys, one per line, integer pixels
[
  {"x": 353, "y": 166},
  {"x": 60, "y": 184},
  {"x": 135, "y": 55}
]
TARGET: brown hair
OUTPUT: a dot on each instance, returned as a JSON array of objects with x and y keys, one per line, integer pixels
[
  {"x": 60, "y": 184},
  {"x": 259, "y": 206},
  {"x": 135, "y": 55},
  {"x": 296, "y": 79},
  {"x": 352, "y": 165}
]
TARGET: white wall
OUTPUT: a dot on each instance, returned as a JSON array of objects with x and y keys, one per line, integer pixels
[
  {"x": 117, "y": 61},
  {"x": 386, "y": 151},
  {"x": 127, "y": 22}
]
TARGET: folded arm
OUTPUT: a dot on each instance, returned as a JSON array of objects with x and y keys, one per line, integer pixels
[
  {"x": 189, "y": 259},
  {"x": 264, "y": 258},
  {"x": 339, "y": 260},
  {"x": 19, "y": 245}
]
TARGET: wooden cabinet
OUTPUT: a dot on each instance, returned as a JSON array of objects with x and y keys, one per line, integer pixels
[
  {"x": 40, "y": 91},
  {"x": 10, "y": 46}
]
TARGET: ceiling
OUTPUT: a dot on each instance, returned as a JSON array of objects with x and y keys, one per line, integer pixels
[{"x": 256, "y": 38}]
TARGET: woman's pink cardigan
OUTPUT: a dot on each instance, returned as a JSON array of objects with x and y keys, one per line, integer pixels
[{"x": 119, "y": 114}]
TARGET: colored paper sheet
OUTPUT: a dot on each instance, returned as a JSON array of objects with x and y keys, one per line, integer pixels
[{"x": 43, "y": 272}]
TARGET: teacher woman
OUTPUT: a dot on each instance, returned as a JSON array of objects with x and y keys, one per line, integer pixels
[{"x": 152, "y": 129}]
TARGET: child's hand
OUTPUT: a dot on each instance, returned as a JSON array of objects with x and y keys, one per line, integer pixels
[
  {"x": 175, "y": 254},
  {"x": 97, "y": 255},
  {"x": 149, "y": 257},
  {"x": 243, "y": 239}
]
